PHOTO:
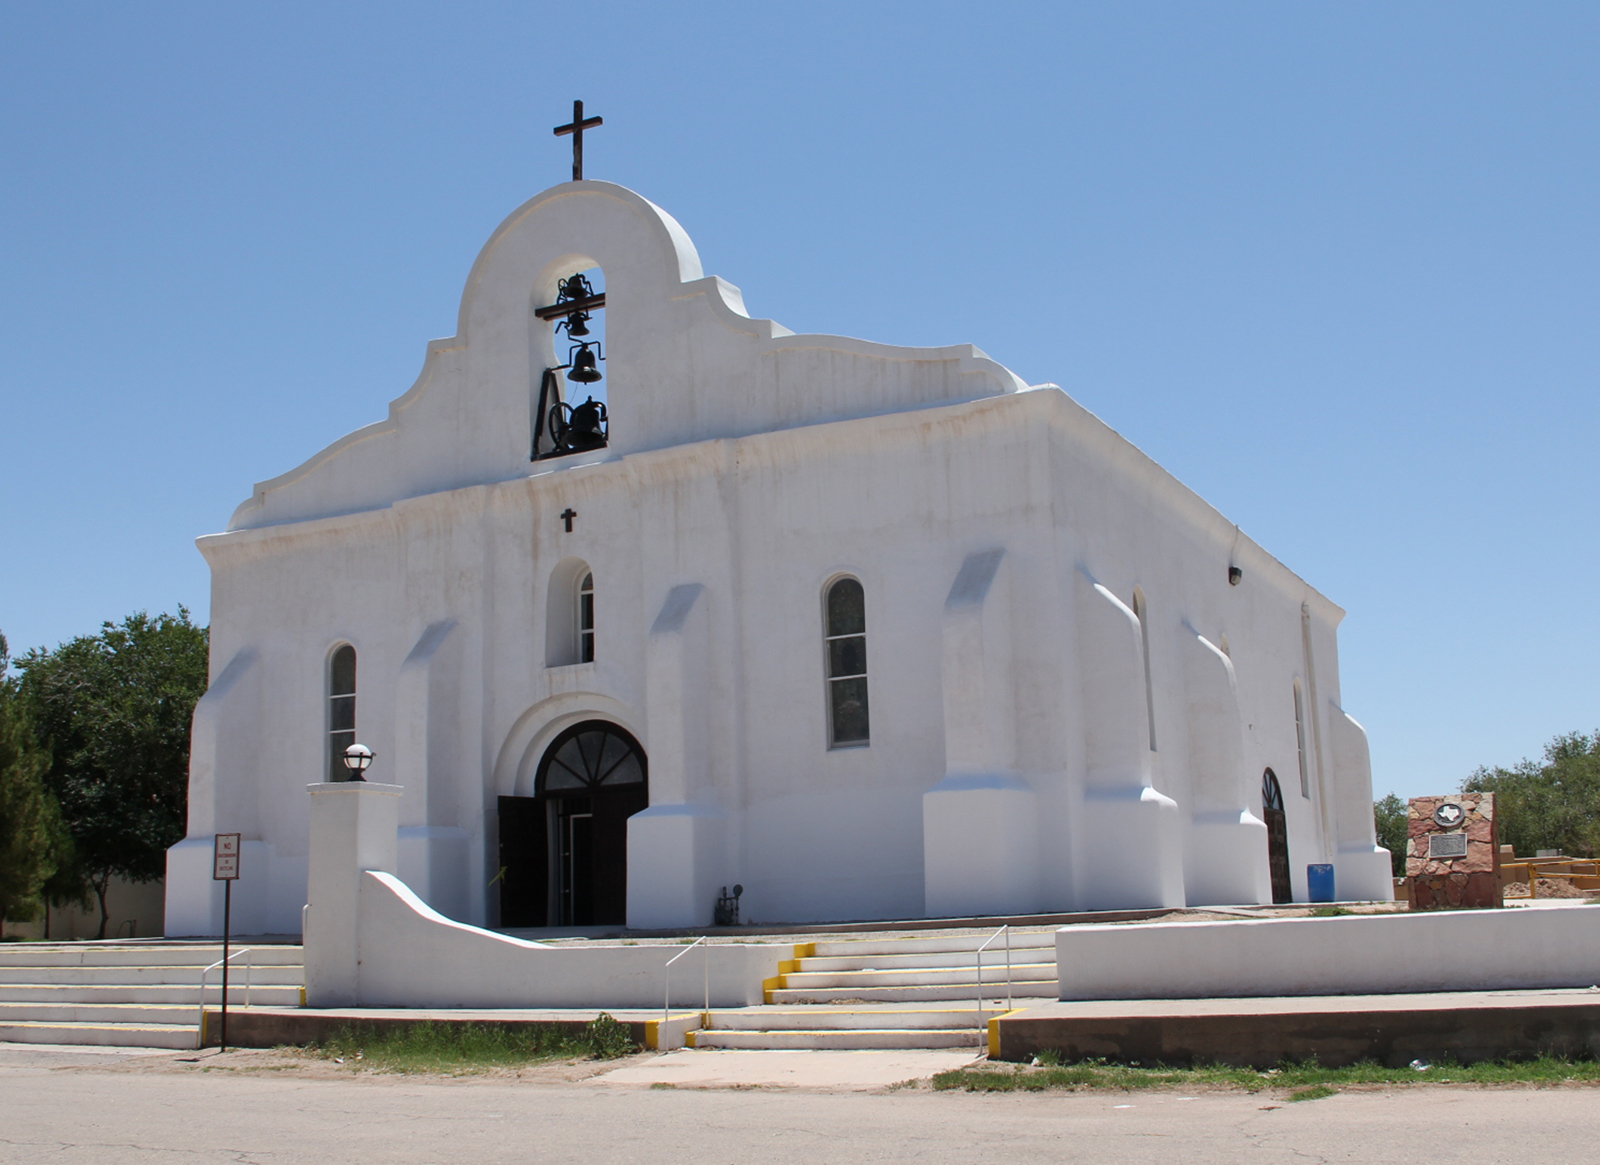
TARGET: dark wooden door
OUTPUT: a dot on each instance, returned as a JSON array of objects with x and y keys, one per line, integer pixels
[
  {"x": 593, "y": 872},
  {"x": 524, "y": 875},
  {"x": 1277, "y": 823}
]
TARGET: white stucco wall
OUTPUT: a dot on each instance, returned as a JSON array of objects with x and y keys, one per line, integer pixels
[
  {"x": 1378, "y": 954},
  {"x": 752, "y": 467}
]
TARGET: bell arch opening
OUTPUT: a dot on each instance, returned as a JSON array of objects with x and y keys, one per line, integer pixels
[
  {"x": 570, "y": 412},
  {"x": 564, "y": 851}
]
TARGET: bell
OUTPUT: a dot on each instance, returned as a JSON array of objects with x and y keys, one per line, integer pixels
[
  {"x": 577, "y": 325},
  {"x": 587, "y": 418},
  {"x": 584, "y": 370},
  {"x": 586, "y": 429}
]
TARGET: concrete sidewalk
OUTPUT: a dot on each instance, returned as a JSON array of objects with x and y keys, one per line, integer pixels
[{"x": 855, "y": 1071}]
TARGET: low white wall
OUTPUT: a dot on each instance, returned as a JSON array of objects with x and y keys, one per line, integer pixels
[
  {"x": 1478, "y": 950},
  {"x": 370, "y": 941},
  {"x": 412, "y": 956}
]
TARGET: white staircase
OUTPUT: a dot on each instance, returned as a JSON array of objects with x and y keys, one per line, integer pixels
[
  {"x": 863, "y": 993},
  {"x": 134, "y": 994}
]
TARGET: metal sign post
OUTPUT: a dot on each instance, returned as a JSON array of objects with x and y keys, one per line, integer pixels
[{"x": 225, "y": 869}]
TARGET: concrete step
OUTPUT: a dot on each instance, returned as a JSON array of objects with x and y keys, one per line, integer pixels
[
  {"x": 90, "y": 954},
  {"x": 917, "y": 977},
  {"x": 118, "y": 1035},
  {"x": 95, "y": 1013},
  {"x": 933, "y": 960},
  {"x": 133, "y": 994},
  {"x": 841, "y": 1019},
  {"x": 147, "y": 975},
  {"x": 953, "y": 992},
  {"x": 838, "y": 1040},
  {"x": 285, "y": 995},
  {"x": 849, "y": 948}
]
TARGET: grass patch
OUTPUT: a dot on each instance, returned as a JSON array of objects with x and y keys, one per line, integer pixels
[
  {"x": 457, "y": 1048},
  {"x": 1306, "y": 1077},
  {"x": 1315, "y": 1092},
  {"x": 1330, "y": 912}
]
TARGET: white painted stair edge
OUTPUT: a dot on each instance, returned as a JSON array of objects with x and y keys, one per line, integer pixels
[{"x": 144, "y": 995}]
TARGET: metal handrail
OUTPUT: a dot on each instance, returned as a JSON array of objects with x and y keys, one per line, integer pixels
[
  {"x": 1004, "y": 930},
  {"x": 666, "y": 997},
  {"x": 200, "y": 1023}
]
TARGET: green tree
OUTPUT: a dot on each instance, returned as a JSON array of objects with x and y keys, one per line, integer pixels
[
  {"x": 30, "y": 824},
  {"x": 114, "y": 710},
  {"x": 1391, "y": 817},
  {"x": 1548, "y": 804}
]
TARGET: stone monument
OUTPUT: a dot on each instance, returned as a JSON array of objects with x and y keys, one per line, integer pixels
[{"x": 1453, "y": 852}]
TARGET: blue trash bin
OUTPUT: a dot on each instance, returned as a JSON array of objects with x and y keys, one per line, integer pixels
[{"x": 1319, "y": 882}]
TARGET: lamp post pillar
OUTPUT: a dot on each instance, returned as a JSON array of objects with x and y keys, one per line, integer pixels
[{"x": 354, "y": 828}]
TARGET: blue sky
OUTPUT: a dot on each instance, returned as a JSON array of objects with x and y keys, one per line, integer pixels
[{"x": 1334, "y": 266}]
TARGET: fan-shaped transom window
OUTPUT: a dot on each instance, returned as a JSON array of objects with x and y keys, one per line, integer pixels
[
  {"x": 593, "y": 755},
  {"x": 845, "y": 640},
  {"x": 341, "y": 709},
  {"x": 1271, "y": 794}
]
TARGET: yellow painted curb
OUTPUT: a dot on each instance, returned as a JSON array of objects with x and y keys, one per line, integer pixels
[
  {"x": 652, "y": 1027},
  {"x": 994, "y": 1032},
  {"x": 786, "y": 967}
]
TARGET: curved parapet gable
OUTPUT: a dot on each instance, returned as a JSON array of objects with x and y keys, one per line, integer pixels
[{"x": 684, "y": 362}]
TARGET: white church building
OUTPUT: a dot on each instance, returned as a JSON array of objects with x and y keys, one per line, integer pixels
[{"x": 872, "y": 632}]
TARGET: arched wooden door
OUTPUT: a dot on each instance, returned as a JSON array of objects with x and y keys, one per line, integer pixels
[
  {"x": 1277, "y": 836},
  {"x": 564, "y": 851}
]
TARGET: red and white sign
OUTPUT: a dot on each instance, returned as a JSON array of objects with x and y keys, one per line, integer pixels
[{"x": 225, "y": 858}]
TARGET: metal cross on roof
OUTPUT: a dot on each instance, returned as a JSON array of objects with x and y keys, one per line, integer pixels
[{"x": 579, "y": 124}]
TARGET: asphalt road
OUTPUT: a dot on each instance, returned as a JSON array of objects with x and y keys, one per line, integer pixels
[{"x": 72, "y": 1109}]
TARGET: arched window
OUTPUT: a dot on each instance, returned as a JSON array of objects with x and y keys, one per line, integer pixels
[
  {"x": 341, "y": 709},
  {"x": 845, "y": 633},
  {"x": 1300, "y": 740},
  {"x": 1144, "y": 640},
  {"x": 586, "y": 618},
  {"x": 569, "y": 615}
]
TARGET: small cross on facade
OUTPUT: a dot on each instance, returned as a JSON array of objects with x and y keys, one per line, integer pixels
[
  {"x": 579, "y": 124},
  {"x": 567, "y": 515}
]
